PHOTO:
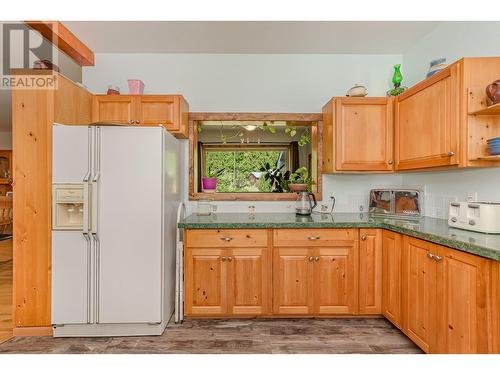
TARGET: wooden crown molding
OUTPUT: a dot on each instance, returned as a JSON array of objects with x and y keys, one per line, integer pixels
[{"x": 60, "y": 36}]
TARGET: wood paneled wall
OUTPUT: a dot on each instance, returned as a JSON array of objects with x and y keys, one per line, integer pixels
[{"x": 33, "y": 113}]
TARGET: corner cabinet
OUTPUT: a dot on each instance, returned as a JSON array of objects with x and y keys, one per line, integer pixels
[
  {"x": 170, "y": 111},
  {"x": 358, "y": 135},
  {"x": 442, "y": 122}
]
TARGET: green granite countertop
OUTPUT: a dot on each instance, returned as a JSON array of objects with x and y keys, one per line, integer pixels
[{"x": 427, "y": 228}]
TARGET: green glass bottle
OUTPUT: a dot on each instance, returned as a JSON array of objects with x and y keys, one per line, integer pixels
[{"x": 397, "y": 77}]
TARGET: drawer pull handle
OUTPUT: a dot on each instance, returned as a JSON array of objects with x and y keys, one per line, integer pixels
[
  {"x": 437, "y": 258},
  {"x": 313, "y": 238},
  {"x": 430, "y": 256},
  {"x": 227, "y": 239},
  {"x": 311, "y": 259}
]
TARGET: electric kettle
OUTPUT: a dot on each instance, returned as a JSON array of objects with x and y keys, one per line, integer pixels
[{"x": 304, "y": 204}]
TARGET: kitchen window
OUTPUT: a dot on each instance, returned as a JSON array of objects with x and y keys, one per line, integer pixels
[{"x": 245, "y": 153}]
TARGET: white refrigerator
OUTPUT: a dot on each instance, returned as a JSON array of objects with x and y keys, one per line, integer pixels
[{"x": 115, "y": 194}]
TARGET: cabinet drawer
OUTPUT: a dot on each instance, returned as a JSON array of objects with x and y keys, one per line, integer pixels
[
  {"x": 313, "y": 237},
  {"x": 226, "y": 238}
]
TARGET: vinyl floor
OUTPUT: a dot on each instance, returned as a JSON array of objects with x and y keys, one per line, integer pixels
[{"x": 239, "y": 336}]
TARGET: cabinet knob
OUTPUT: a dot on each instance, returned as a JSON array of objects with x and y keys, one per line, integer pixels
[
  {"x": 451, "y": 153},
  {"x": 229, "y": 259},
  {"x": 390, "y": 162},
  {"x": 430, "y": 256},
  {"x": 313, "y": 238},
  {"x": 130, "y": 122},
  {"x": 311, "y": 259},
  {"x": 316, "y": 259},
  {"x": 223, "y": 259},
  {"x": 472, "y": 222},
  {"x": 363, "y": 237},
  {"x": 437, "y": 258},
  {"x": 227, "y": 239}
]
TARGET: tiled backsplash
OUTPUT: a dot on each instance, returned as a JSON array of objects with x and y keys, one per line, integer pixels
[{"x": 351, "y": 191}]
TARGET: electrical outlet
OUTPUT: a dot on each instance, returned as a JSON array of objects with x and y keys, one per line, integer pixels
[{"x": 472, "y": 196}]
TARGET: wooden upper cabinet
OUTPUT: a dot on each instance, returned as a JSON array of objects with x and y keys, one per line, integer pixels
[
  {"x": 438, "y": 122},
  {"x": 358, "y": 135},
  {"x": 370, "y": 271},
  {"x": 463, "y": 292},
  {"x": 170, "y": 111},
  {"x": 114, "y": 109},
  {"x": 392, "y": 277},
  {"x": 427, "y": 126}
]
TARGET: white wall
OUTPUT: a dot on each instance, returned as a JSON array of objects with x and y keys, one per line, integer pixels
[
  {"x": 452, "y": 40},
  {"x": 256, "y": 83},
  {"x": 5, "y": 140}
]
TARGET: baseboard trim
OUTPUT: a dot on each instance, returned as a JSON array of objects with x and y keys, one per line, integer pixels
[{"x": 32, "y": 331}]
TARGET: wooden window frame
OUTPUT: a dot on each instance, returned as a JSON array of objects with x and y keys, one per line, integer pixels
[{"x": 297, "y": 118}]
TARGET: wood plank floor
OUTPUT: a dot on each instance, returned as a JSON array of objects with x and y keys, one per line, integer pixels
[
  {"x": 228, "y": 336},
  {"x": 5, "y": 290}
]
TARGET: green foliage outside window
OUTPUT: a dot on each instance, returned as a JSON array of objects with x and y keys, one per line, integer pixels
[{"x": 241, "y": 169}]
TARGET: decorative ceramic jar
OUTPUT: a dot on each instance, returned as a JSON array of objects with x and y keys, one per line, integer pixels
[
  {"x": 493, "y": 92},
  {"x": 357, "y": 91}
]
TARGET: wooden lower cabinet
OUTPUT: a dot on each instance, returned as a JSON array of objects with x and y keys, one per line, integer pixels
[
  {"x": 370, "y": 271},
  {"x": 445, "y": 300},
  {"x": 420, "y": 315},
  {"x": 392, "y": 277},
  {"x": 317, "y": 279},
  {"x": 495, "y": 307},
  {"x": 226, "y": 282},
  {"x": 446, "y": 294},
  {"x": 293, "y": 281},
  {"x": 463, "y": 296}
]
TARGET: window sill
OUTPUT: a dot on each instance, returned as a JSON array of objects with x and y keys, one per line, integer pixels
[{"x": 249, "y": 196}]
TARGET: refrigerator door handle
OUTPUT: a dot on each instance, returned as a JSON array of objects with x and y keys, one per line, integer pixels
[
  {"x": 89, "y": 270},
  {"x": 97, "y": 155},
  {"x": 97, "y": 249},
  {"x": 86, "y": 202},
  {"x": 93, "y": 195},
  {"x": 89, "y": 156}
]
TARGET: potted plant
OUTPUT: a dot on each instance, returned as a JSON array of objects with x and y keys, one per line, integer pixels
[
  {"x": 276, "y": 177},
  {"x": 209, "y": 182},
  {"x": 300, "y": 180}
]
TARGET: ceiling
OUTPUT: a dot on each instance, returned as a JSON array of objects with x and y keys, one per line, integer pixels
[{"x": 347, "y": 37}]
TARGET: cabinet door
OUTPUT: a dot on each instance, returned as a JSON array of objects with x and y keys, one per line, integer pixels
[
  {"x": 292, "y": 281},
  {"x": 205, "y": 280},
  {"x": 158, "y": 109},
  {"x": 495, "y": 307},
  {"x": 420, "y": 320},
  {"x": 364, "y": 135},
  {"x": 427, "y": 125},
  {"x": 392, "y": 277},
  {"x": 463, "y": 281},
  {"x": 370, "y": 271},
  {"x": 248, "y": 281},
  {"x": 336, "y": 280},
  {"x": 117, "y": 109}
]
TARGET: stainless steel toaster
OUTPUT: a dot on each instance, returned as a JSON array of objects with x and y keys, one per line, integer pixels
[{"x": 407, "y": 203}]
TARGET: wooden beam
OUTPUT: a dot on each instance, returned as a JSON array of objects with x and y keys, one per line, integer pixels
[
  {"x": 228, "y": 116},
  {"x": 65, "y": 40}
]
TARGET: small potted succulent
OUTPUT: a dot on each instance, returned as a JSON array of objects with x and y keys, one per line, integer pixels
[
  {"x": 209, "y": 182},
  {"x": 300, "y": 180}
]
